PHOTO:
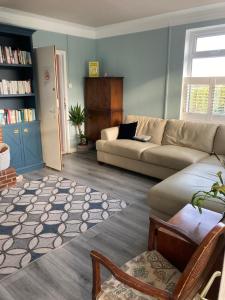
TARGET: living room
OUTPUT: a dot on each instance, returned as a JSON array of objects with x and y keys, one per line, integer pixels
[{"x": 112, "y": 149}]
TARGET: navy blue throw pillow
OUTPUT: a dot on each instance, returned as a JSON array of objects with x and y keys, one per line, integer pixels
[{"x": 127, "y": 131}]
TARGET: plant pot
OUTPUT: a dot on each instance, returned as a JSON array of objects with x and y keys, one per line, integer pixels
[
  {"x": 4, "y": 156},
  {"x": 82, "y": 148}
]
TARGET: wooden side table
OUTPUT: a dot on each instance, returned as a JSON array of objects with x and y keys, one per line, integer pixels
[{"x": 195, "y": 225}]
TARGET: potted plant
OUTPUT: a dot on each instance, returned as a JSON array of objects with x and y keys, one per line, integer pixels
[
  {"x": 217, "y": 191},
  {"x": 77, "y": 118}
]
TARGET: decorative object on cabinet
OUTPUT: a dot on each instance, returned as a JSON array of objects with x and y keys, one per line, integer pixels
[
  {"x": 18, "y": 98},
  {"x": 93, "y": 68},
  {"x": 103, "y": 104}
]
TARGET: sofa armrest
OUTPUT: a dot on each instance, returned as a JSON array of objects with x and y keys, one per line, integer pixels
[{"x": 110, "y": 133}]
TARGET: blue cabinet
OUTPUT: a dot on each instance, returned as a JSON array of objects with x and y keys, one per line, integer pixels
[
  {"x": 23, "y": 138},
  {"x": 25, "y": 145},
  {"x": 31, "y": 143}
]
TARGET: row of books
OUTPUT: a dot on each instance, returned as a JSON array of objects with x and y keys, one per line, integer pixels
[
  {"x": 9, "y": 116},
  {"x": 15, "y": 87},
  {"x": 16, "y": 56}
]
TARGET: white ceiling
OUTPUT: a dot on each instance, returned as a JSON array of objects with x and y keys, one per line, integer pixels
[{"x": 97, "y": 13}]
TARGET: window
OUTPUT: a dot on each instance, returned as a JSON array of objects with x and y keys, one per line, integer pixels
[{"x": 203, "y": 94}]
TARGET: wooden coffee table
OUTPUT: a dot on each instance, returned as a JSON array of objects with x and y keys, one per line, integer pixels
[{"x": 195, "y": 225}]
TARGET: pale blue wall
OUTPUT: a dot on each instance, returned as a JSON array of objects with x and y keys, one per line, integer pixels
[
  {"x": 142, "y": 59},
  {"x": 152, "y": 64}
]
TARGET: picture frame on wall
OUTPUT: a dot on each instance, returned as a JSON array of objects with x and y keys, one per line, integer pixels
[{"x": 93, "y": 68}]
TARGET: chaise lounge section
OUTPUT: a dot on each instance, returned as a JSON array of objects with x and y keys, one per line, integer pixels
[{"x": 179, "y": 152}]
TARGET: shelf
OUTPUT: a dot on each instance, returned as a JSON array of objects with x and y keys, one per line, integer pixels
[
  {"x": 20, "y": 123},
  {"x": 17, "y": 95},
  {"x": 15, "y": 66}
]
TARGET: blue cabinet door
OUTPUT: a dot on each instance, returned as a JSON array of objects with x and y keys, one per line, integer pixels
[
  {"x": 12, "y": 137},
  {"x": 31, "y": 143}
]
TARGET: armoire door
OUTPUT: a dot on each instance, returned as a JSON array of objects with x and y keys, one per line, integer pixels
[
  {"x": 49, "y": 107},
  {"x": 12, "y": 137},
  {"x": 97, "y": 93},
  {"x": 97, "y": 120},
  {"x": 31, "y": 143},
  {"x": 103, "y": 104}
]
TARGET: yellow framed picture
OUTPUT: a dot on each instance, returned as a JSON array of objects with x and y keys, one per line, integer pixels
[{"x": 93, "y": 67}]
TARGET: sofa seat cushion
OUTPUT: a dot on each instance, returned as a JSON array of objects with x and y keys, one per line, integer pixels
[
  {"x": 174, "y": 157},
  {"x": 150, "y": 267},
  {"x": 127, "y": 148},
  {"x": 173, "y": 193}
]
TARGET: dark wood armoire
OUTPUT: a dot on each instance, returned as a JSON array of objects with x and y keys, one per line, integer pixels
[{"x": 103, "y": 104}]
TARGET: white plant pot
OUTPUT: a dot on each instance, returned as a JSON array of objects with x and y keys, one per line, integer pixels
[
  {"x": 4, "y": 157},
  {"x": 82, "y": 148}
]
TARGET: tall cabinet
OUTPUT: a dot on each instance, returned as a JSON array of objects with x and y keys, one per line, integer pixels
[
  {"x": 103, "y": 104},
  {"x": 22, "y": 136}
]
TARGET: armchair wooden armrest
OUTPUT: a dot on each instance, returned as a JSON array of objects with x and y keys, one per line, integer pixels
[
  {"x": 156, "y": 223},
  {"x": 123, "y": 277}
]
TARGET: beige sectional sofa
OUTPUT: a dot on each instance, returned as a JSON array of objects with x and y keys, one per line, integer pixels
[{"x": 179, "y": 152}]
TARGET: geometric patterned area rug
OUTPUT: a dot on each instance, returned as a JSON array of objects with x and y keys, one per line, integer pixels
[{"x": 42, "y": 215}]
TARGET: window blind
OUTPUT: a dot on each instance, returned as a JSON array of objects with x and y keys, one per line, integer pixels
[
  {"x": 203, "y": 97},
  {"x": 203, "y": 93},
  {"x": 218, "y": 106}
]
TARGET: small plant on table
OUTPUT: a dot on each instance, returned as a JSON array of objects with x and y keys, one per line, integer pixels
[{"x": 217, "y": 191}]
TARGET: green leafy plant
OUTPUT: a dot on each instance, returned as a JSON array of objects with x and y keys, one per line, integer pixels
[
  {"x": 217, "y": 191},
  {"x": 77, "y": 118}
]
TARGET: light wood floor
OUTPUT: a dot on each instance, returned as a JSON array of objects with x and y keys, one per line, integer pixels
[{"x": 65, "y": 273}]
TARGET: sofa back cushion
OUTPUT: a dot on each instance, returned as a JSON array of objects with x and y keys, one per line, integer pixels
[
  {"x": 148, "y": 126},
  {"x": 198, "y": 136},
  {"x": 219, "y": 142}
]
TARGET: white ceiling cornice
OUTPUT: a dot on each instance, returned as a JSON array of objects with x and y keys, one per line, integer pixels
[
  {"x": 198, "y": 14},
  {"x": 38, "y": 22}
]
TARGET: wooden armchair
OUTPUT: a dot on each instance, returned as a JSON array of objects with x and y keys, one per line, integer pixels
[{"x": 164, "y": 281}]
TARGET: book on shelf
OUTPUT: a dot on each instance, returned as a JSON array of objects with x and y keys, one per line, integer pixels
[
  {"x": 14, "y": 87},
  {"x": 14, "y": 56},
  {"x": 13, "y": 116}
]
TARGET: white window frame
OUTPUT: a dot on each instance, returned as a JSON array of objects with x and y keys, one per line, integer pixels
[{"x": 190, "y": 54}]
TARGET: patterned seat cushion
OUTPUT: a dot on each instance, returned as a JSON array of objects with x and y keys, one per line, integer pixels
[{"x": 150, "y": 267}]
